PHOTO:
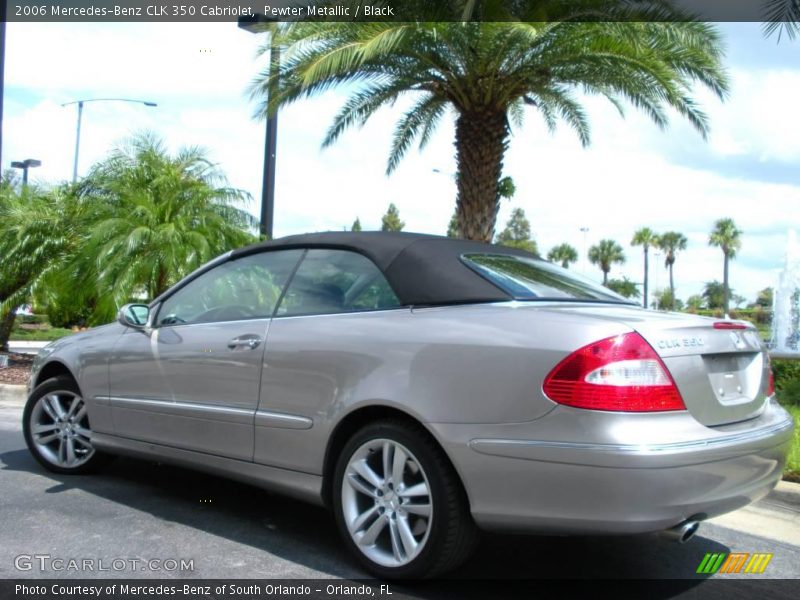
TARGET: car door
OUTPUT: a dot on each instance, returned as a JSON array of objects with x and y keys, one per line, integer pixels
[
  {"x": 192, "y": 380},
  {"x": 324, "y": 341}
]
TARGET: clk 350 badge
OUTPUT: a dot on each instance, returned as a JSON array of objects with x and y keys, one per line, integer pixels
[{"x": 691, "y": 342}]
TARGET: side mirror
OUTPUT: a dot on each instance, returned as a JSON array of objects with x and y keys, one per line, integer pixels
[{"x": 134, "y": 315}]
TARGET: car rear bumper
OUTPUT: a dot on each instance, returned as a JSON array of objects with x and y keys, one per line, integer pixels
[{"x": 610, "y": 484}]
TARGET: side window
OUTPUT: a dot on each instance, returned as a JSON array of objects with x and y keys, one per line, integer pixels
[
  {"x": 247, "y": 288},
  {"x": 336, "y": 281}
]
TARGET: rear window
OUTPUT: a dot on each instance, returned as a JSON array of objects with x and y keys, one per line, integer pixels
[{"x": 530, "y": 279}]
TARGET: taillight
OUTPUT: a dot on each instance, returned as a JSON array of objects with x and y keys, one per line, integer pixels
[
  {"x": 771, "y": 383},
  {"x": 621, "y": 373}
]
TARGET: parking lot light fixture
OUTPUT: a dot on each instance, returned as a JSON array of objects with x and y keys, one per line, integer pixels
[
  {"x": 80, "y": 104},
  {"x": 28, "y": 163},
  {"x": 259, "y": 23}
]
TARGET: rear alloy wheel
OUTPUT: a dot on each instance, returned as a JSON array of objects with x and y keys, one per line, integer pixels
[
  {"x": 399, "y": 505},
  {"x": 56, "y": 427}
]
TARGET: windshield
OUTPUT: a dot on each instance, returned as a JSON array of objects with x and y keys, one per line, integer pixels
[{"x": 530, "y": 279}]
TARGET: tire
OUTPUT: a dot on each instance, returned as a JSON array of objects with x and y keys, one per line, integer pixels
[
  {"x": 57, "y": 429},
  {"x": 412, "y": 526}
]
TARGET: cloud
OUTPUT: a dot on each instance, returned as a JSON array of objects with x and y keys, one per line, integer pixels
[
  {"x": 632, "y": 175},
  {"x": 206, "y": 61}
]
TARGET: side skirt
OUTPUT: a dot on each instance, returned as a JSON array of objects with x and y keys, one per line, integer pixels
[{"x": 303, "y": 486}]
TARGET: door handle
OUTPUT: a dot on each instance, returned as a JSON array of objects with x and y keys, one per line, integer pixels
[{"x": 248, "y": 340}]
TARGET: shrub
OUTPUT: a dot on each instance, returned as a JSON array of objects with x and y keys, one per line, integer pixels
[
  {"x": 787, "y": 379},
  {"x": 32, "y": 319},
  {"x": 67, "y": 314}
]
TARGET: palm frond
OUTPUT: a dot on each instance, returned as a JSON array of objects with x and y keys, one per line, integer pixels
[
  {"x": 782, "y": 16},
  {"x": 420, "y": 120}
]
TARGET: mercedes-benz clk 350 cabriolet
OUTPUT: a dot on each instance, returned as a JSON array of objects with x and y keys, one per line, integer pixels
[{"x": 423, "y": 388}]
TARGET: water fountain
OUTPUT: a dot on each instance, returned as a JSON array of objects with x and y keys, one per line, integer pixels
[{"x": 786, "y": 304}]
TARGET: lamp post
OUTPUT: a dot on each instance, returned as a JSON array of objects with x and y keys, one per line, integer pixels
[
  {"x": 2, "y": 70},
  {"x": 657, "y": 256},
  {"x": 80, "y": 104},
  {"x": 584, "y": 231},
  {"x": 28, "y": 163},
  {"x": 258, "y": 24}
]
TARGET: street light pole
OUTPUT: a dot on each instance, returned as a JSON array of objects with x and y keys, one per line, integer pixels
[
  {"x": 258, "y": 24},
  {"x": 270, "y": 150},
  {"x": 584, "y": 231},
  {"x": 2, "y": 69},
  {"x": 77, "y": 142},
  {"x": 80, "y": 104}
]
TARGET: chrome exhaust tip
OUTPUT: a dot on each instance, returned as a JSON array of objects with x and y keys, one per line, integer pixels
[{"x": 683, "y": 532}]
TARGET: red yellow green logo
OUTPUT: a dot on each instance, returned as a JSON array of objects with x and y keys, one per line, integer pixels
[{"x": 735, "y": 562}]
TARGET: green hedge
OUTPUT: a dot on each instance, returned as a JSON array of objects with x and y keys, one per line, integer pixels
[
  {"x": 787, "y": 379},
  {"x": 32, "y": 319},
  {"x": 757, "y": 315}
]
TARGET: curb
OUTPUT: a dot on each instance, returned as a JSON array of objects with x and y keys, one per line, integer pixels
[{"x": 786, "y": 492}]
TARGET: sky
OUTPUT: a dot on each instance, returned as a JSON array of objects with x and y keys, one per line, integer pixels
[{"x": 632, "y": 175}]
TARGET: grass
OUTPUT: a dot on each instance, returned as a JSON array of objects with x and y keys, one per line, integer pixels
[
  {"x": 44, "y": 333},
  {"x": 792, "y": 471}
]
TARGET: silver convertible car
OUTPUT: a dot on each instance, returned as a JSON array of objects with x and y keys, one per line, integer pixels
[{"x": 423, "y": 388}]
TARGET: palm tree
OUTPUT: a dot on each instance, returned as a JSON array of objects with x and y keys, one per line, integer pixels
[
  {"x": 40, "y": 231},
  {"x": 714, "y": 294},
  {"x": 165, "y": 216},
  {"x": 563, "y": 254},
  {"x": 13, "y": 275},
  {"x": 605, "y": 254},
  {"x": 485, "y": 74},
  {"x": 728, "y": 237},
  {"x": 671, "y": 243},
  {"x": 645, "y": 237},
  {"x": 624, "y": 287},
  {"x": 666, "y": 300},
  {"x": 780, "y": 16}
]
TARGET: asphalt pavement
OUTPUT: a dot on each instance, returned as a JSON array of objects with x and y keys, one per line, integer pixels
[{"x": 141, "y": 510}]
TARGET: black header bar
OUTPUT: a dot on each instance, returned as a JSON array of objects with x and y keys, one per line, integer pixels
[{"x": 391, "y": 10}]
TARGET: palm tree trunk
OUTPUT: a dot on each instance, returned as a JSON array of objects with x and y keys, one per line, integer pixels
[
  {"x": 605, "y": 277},
  {"x": 644, "y": 302},
  {"x": 671, "y": 283},
  {"x": 481, "y": 142},
  {"x": 161, "y": 283},
  {"x": 6, "y": 325},
  {"x": 725, "y": 290}
]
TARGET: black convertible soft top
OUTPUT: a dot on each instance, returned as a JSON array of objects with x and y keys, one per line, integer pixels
[{"x": 422, "y": 269}]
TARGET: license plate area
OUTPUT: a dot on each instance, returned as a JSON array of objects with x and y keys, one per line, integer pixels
[{"x": 735, "y": 378}]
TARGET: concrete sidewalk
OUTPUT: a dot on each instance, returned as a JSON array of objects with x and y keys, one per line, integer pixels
[
  {"x": 21, "y": 347},
  {"x": 12, "y": 395},
  {"x": 776, "y": 517}
]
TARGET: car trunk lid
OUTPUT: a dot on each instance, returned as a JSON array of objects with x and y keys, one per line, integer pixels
[{"x": 721, "y": 372}]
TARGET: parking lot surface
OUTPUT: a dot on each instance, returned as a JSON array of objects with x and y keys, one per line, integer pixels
[{"x": 143, "y": 511}]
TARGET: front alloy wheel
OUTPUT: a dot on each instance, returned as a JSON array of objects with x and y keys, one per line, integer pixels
[
  {"x": 56, "y": 427},
  {"x": 399, "y": 504}
]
